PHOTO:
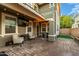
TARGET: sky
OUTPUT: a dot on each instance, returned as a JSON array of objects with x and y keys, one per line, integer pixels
[{"x": 69, "y": 8}]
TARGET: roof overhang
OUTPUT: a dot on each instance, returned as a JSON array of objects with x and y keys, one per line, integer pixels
[
  {"x": 40, "y": 17},
  {"x": 30, "y": 9}
]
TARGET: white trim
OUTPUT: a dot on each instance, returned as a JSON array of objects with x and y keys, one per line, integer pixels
[
  {"x": 1, "y": 25},
  {"x": 10, "y": 34},
  {"x": 46, "y": 28},
  {"x": 26, "y": 29},
  {"x": 50, "y": 19},
  {"x": 52, "y": 35},
  {"x": 41, "y": 27},
  {"x": 2, "y": 29},
  {"x": 8, "y": 15},
  {"x": 16, "y": 26}
]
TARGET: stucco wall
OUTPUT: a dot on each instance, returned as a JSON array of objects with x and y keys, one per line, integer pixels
[
  {"x": 46, "y": 11},
  {"x": 43, "y": 8}
]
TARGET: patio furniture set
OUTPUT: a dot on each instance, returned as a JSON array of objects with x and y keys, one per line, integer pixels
[{"x": 15, "y": 39}]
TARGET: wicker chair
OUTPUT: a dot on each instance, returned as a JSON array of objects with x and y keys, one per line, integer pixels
[{"x": 17, "y": 39}]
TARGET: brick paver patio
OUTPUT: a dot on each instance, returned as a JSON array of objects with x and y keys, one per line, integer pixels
[{"x": 40, "y": 47}]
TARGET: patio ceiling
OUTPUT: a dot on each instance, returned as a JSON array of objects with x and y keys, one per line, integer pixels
[{"x": 25, "y": 11}]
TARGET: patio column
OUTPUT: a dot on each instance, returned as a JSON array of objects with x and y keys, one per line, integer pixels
[
  {"x": 52, "y": 25},
  {"x": 2, "y": 25},
  {"x": 52, "y": 31}
]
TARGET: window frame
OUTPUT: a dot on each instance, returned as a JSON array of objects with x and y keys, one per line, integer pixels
[
  {"x": 5, "y": 25},
  {"x": 43, "y": 27},
  {"x": 29, "y": 29}
]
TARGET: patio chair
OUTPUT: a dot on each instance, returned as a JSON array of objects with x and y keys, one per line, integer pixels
[{"x": 18, "y": 40}]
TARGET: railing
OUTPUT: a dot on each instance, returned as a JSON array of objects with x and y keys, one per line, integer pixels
[
  {"x": 28, "y": 5},
  {"x": 45, "y": 14}
]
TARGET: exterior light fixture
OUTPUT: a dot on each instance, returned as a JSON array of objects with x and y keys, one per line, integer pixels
[
  {"x": 5, "y": 9},
  {"x": 17, "y": 13}
]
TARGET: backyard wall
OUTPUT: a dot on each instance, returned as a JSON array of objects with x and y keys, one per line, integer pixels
[
  {"x": 75, "y": 32},
  {"x": 65, "y": 31},
  {"x": 70, "y": 31}
]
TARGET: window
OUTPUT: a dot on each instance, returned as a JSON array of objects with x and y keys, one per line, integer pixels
[
  {"x": 10, "y": 24},
  {"x": 43, "y": 27},
  {"x": 36, "y": 8},
  {"x": 29, "y": 29},
  {"x": 51, "y": 5}
]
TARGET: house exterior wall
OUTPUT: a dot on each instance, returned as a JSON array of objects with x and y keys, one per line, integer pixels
[
  {"x": 76, "y": 22},
  {"x": 44, "y": 8},
  {"x": 21, "y": 30},
  {"x": 57, "y": 18},
  {"x": 46, "y": 11},
  {"x": 0, "y": 23},
  {"x": 75, "y": 25},
  {"x": 35, "y": 29},
  {"x": 35, "y": 7},
  {"x": 57, "y": 23}
]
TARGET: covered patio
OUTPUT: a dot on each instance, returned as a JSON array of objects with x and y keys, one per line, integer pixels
[{"x": 16, "y": 21}]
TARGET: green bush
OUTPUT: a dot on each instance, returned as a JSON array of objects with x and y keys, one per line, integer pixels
[{"x": 66, "y": 22}]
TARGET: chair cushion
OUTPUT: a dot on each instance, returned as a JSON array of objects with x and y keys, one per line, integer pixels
[{"x": 17, "y": 39}]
